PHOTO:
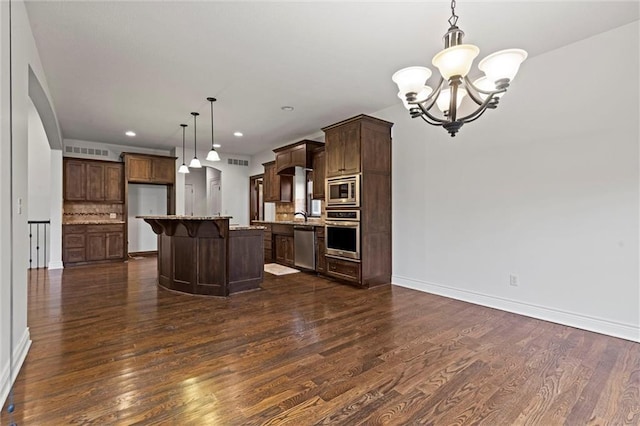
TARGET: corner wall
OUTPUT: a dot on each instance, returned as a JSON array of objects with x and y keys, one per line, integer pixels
[
  {"x": 13, "y": 185},
  {"x": 545, "y": 187}
]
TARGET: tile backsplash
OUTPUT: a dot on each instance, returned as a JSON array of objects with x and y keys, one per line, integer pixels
[{"x": 81, "y": 212}]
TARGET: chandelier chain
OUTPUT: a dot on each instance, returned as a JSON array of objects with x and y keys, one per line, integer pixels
[{"x": 453, "y": 20}]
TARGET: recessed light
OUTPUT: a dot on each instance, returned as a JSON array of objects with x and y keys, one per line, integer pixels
[
  {"x": 287, "y": 108},
  {"x": 130, "y": 133},
  {"x": 216, "y": 145},
  {"x": 237, "y": 134}
]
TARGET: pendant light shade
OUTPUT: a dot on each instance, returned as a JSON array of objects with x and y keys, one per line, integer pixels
[
  {"x": 213, "y": 154},
  {"x": 455, "y": 60},
  {"x": 195, "y": 163},
  {"x": 183, "y": 168}
]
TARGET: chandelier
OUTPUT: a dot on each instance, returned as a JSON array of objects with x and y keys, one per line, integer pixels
[{"x": 454, "y": 64}]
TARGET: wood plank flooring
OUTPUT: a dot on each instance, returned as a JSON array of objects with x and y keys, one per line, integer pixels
[{"x": 109, "y": 347}]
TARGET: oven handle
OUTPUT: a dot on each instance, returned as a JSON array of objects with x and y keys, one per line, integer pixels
[{"x": 344, "y": 224}]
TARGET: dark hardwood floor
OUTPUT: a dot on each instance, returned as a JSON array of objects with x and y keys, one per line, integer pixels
[{"x": 109, "y": 347}]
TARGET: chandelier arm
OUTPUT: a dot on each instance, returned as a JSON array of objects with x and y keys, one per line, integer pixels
[
  {"x": 476, "y": 117},
  {"x": 433, "y": 97},
  {"x": 433, "y": 123},
  {"x": 477, "y": 113},
  {"x": 432, "y": 117},
  {"x": 473, "y": 93}
]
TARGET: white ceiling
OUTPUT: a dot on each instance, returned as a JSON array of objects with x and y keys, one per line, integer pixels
[{"x": 119, "y": 65}]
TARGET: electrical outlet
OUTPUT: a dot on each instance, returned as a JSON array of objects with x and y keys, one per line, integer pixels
[
  {"x": 112, "y": 215},
  {"x": 513, "y": 280}
]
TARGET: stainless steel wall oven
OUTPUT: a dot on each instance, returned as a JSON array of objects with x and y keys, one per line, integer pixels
[{"x": 342, "y": 234}]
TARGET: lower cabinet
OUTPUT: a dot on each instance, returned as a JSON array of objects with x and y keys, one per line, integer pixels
[
  {"x": 268, "y": 245},
  {"x": 343, "y": 269},
  {"x": 284, "y": 250},
  {"x": 92, "y": 243},
  {"x": 321, "y": 262}
]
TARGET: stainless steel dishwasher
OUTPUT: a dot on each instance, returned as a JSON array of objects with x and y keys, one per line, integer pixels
[{"x": 304, "y": 240}]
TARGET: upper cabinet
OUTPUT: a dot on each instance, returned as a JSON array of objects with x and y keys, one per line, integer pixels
[
  {"x": 299, "y": 154},
  {"x": 145, "y": 168},
  {"x": 276, "y": 188},
  {"x": 90, "y": 180},
  {"x": 319, "y": 158},
  {"x": 357, "y": 145}
]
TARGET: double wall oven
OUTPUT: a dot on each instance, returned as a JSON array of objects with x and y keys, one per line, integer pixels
[{"x": 342, "y": 234}]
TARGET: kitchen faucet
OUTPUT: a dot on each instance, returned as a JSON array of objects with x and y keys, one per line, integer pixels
[{"x": 303, "y": 213}]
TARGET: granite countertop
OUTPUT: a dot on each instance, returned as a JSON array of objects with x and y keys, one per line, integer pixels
[
  {"x": 246, "y": 227},
  {"x": 95, "y": 222},
  {"x": 314, "y": 222},
  {"x": 176, "y": 217}
]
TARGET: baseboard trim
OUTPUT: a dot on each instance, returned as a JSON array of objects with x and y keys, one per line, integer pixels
[
  {"x": 57, "y": 264},
  {"x": 19, "y": 355},
  {"x": 143, "y": 253},
  {"x": 598, "y": 325}
]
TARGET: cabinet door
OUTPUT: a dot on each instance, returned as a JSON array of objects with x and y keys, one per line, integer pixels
[
  {"x": 321, "y": 262},
  {"x": 164, "y": 170},
  {"x": 114, "y": 245},
  {"x": 280, "y": 247},
  {"x": 114, "y": 183},
  {"x": 318, "y": 175},
  {"x": 350, "y": 136},
  {"x": 139, "y": 169},
  {"x": 289, "y": 251},
  {"x": 267, "y": 188},
  {"x": 334, "y": 152},
  {"x": 343, "y": 269},
  {"x": 96, "y": 246},
  {"x": 75, "y": 180},
  {"x": 95, "y": 182}
]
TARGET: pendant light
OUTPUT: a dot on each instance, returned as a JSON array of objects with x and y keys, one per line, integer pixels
[
  {"x": 195, "y": 163},
  {"x": 213, "y": 154},
  {"x": 454, "y": 64},
  {"x": 183, "y": 168}
]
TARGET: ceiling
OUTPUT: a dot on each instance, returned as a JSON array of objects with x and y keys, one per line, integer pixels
[{"x": 144, "y": 66}]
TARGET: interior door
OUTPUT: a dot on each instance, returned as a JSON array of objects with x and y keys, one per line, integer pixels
[
  {"x": 215, "y": 202},
  {"x": 188, "y": 199}
]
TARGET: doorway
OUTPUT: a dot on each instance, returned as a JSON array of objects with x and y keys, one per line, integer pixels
[
  {"x": 256, "y": 197},
  {"x": 188, "y": 199},
  {"x": 214, "y": 191}
]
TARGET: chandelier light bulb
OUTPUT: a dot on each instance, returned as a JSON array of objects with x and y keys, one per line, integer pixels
[
  {"x": 445, "y": 98},
  {"x": 483, "y": 83}
]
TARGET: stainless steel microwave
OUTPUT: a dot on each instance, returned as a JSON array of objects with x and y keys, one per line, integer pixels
[{"x": 343, "y": 191}]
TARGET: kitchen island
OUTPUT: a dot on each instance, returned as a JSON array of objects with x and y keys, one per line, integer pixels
[{"x": 204, "y": 255}]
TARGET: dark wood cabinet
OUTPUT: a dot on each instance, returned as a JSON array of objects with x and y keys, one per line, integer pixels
[
  {"x": 319, "y": 158},
  {"x": 321, "y": 261},
  {"x": 342, "y": 145},
  {"x": 343, "y": 269},
  {"x": 75, "y": 178},
  {"x": 268, "y": 244},
  {"x": 91, "y": 180},
  {"x": 276, "y": 188},
  {"x": 284, "y": 250},
  {"x": 114, "y": 182},
  {"x": 299, "y": 154},
  {"x": 146, "y": 168},
  {"x": 362, "y": 144},
  {"x": 92, "y": 243}
]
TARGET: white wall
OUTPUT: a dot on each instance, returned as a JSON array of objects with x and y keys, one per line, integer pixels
[
  {"x": 39, "y": 167},
  {"x": 55, "y": 210},
  {"x": 13, "y": 184},
  {"x": 144, "y": 200},
  {"x": 234, "y": 183},
  {"x": 114, "y": 150},
  {"x": 545, "y": 187}
]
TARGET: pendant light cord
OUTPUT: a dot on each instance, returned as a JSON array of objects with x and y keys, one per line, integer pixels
[
  {"x": 11, "y": 406},
  {"x": 212, "y": 100}
]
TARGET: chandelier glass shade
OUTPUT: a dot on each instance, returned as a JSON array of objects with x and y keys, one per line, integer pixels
[
  {"x": 195, "y": 163},
  {"x": 454, "y": 63},
  {"x": 183, "y": 168}
]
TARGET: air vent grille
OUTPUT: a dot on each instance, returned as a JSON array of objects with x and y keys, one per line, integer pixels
[
  {"x": 236, "y": 162},
  {"x": 86, "y": 151}
]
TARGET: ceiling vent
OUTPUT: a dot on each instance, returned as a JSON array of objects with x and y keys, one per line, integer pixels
[
  {"x": 86, "y": 151},
  {"x": 236, "y": 162}
]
